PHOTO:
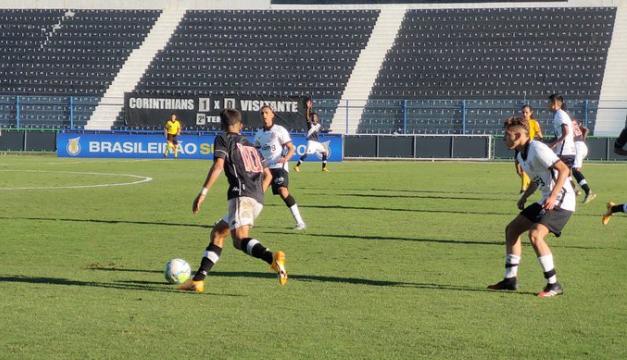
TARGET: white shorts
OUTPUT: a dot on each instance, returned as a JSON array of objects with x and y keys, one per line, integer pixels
[
  {"x": 582, "y": 152},
  {"x": 315, "y": 147},
  {"x": 242, "y": 212}
]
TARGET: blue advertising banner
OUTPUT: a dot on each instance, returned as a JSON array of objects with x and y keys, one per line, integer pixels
[{"x": 152, "y": 146}]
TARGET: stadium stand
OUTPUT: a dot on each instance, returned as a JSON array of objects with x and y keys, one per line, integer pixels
[
  {"x": 253, "y": 52},
  {"x": 48, "y": 56},
  {"x": 485, "y": 56}
]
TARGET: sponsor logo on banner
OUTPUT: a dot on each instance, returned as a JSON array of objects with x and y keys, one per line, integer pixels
[
  {"x": 153, "y": 146},
  {"x": 74, "y": 146}
]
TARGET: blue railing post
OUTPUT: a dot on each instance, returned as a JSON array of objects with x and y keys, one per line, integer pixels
[
  {"x": 585, "y": 112},
  {"x": 346, "y": 117},
  {"x": 404, "y": 116},
  {"x": 464, "y": 117},
  {"x": 17, "y": 111},
  {"x": 72, "y": 112}
]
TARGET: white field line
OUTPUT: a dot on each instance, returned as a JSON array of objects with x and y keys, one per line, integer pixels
[{"x": 141, "y": 179}]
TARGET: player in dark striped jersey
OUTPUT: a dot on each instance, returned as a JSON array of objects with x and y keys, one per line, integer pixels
[
  {"x": 314, "y": 146},
  {"x": 248, "y": 178},
  {"x": 612, "y": 208}
]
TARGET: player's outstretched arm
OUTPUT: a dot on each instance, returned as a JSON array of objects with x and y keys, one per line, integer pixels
[
  {"x": 561, "y": 138},
  {"x": 212, "y": 177},
  {"x": 290, "y": 152},
  {"x": 523, "y": 198},
  {"x": 563, "y": 174}
]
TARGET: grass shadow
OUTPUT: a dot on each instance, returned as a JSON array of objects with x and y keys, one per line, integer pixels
[
  {"x": 327, "y": 279},
  {"x": 106, "y": 285},
  {"x": 437, "y": 241},
  {"x": 345, "y": 207},
  {"x": 360, "y": 281},
  {"x": 395, "y": 196},
  {"x": 101, "y": 221}
]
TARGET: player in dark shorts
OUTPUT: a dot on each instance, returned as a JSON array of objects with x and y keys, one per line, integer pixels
[
  {"x": 612, "y": 208},
  {"x": 314, "y": 146},
  {"x": 549, "y": 215},
  {"x": 277, "y": 149},
  {"x": 248, "y": 179}
]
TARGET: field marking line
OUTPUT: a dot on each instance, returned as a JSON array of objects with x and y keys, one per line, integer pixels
[{"x": 141, "y": 179}]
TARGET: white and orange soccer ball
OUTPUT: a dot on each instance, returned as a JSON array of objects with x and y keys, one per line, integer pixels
[{"x": 177, "y": 271}]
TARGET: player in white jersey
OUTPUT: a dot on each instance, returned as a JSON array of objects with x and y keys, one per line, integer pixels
[
  {"x": 564, "y": 143},
  {"x": 276, "y": 147},
  {"x": 580, "y": 134},
  {"x": 314, "y": 146},
  {"x": 549, "y": 215}
]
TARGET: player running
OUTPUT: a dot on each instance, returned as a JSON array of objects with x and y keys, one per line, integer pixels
[
  {"x": 277, "y": 148},
  {"x": 172, "y": 130},
  {"x": 535, "y": 132},
  {"x": 248, "y": 178},
  {"x": 550, "y": 214},
  {"x": 313, "y": 142},
  {"x": 564, "y": 143},
  {"x": 612, "y": 208},
  {"x": 581, "y": 133}
]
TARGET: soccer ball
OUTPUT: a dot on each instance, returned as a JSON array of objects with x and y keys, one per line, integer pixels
[{"x": 177, "y": 271}]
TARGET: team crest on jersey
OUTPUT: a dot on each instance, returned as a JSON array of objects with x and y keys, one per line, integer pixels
[{"x": 73, "y": 146}]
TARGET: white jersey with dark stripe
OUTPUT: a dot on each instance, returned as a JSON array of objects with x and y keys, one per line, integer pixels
[
  {"x": 567, "y": 146},
  {"x": 313, "y": 131},
  {"x": 537, "y": 160}
]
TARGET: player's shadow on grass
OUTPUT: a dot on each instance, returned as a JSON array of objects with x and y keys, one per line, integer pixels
[
  {"x": 319, "y": 278},
  {"x": 131, "y": 285},
  {"x": 437, "y": 241},
  {"x": 102, "y": 221},
  {"x": 347, "y": 207},
  {"x": 396, "y": 196},
  {"x": 357, "y": 281}
]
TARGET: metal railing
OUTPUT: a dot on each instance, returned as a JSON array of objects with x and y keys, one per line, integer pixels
[{"x": 406, "y": 116}]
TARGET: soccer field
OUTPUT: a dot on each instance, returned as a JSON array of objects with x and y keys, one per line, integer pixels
[{"x": 393, "y": 264}]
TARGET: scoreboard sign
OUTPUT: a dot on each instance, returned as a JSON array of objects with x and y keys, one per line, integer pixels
[{"x": 204, "y": 111}]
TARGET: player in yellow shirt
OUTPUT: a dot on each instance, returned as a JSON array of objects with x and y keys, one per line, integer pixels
[
  {"x": 535, "y": 132},
  {"x": 172, "y": 130}
]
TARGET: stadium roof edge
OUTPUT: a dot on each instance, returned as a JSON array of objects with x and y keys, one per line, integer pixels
[{"x": 266, "y": 4}]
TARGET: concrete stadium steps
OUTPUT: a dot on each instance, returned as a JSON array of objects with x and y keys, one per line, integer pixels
[
  {"x": 366, "y": 69},
  {"x": 106, "y": 112}
]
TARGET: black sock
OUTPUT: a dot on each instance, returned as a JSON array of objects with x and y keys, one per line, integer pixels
[
  {"x": 289, "y": 201},
  {"x": 581, "y": 180},
  {"x": 302, "y": 158},
  {"x": 618, "y": 208},
  {"x": 212, "y": 255},
  {"x": 254, "y": 248},
  {"x": 324, "y": 161}
]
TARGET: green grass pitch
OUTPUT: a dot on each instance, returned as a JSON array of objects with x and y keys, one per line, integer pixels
[{"x": 393, "y": 264}]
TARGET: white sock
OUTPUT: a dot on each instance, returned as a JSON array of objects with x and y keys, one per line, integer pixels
[
  {"x": 511, "y": 265},
  {"x": 625, "y": 208},
  {"x": 546, "y": 262},
  {"x": 296, "y": 214}
]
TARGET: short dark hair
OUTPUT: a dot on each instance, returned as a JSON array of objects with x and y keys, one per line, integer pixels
[
  {"x": 526, "y": 106},
  {"x": 229, "y": 117},
  {"x": 516, "y": 121},
  {"x": 556, "y": 97}
]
